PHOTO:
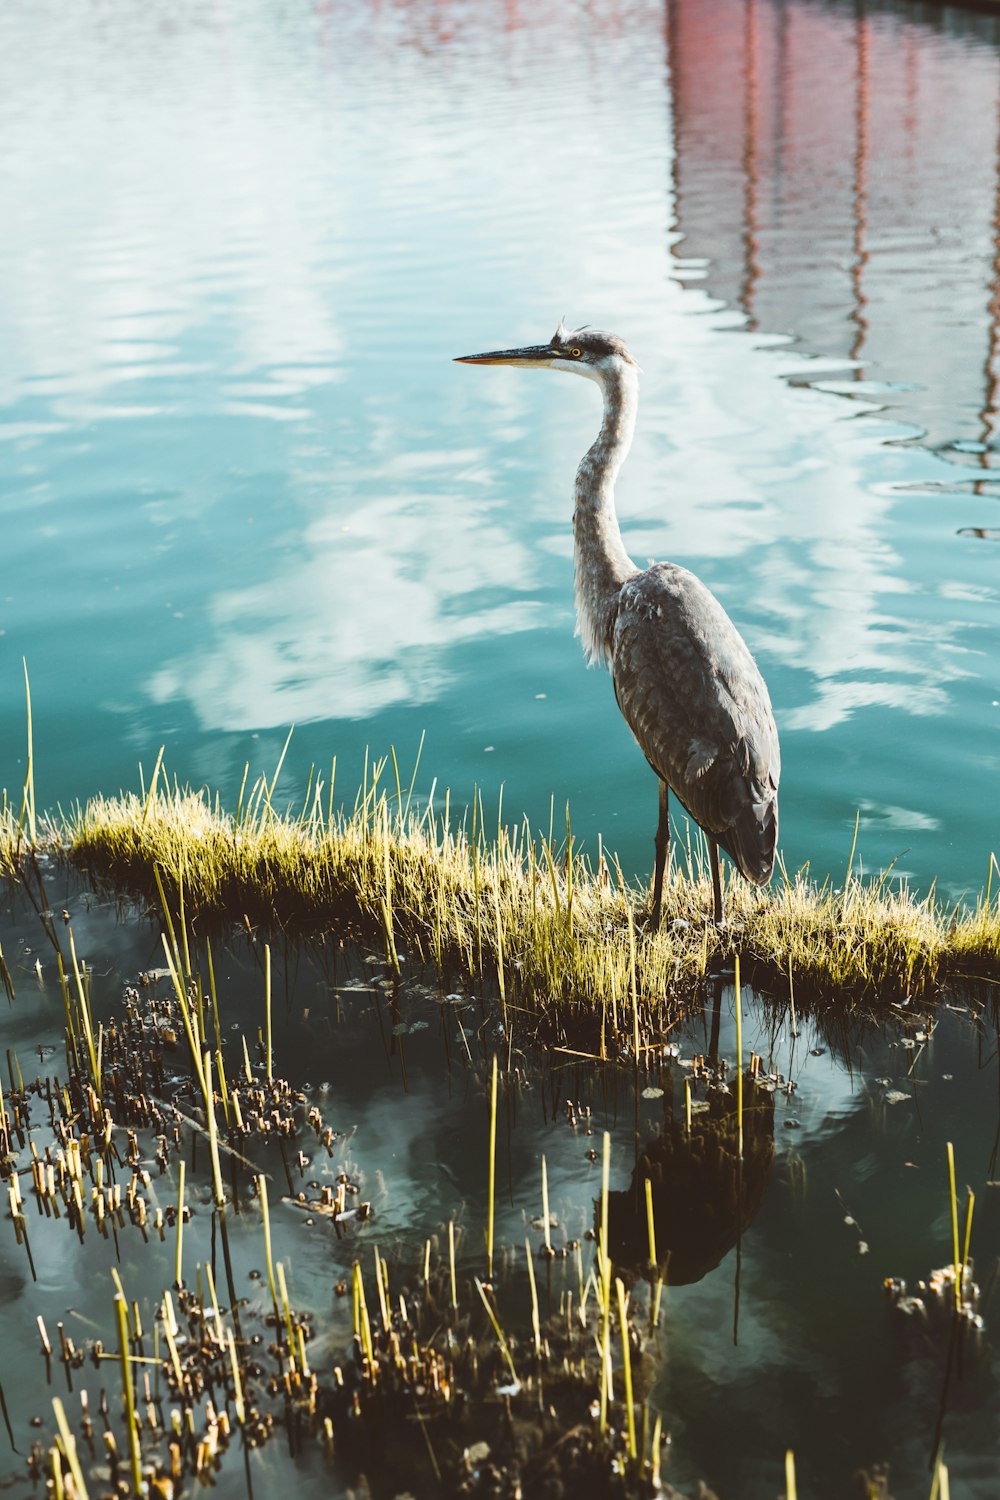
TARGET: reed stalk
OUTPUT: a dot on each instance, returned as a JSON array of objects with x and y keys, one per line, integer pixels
[
  {"x": 492, "y": 1171},
  {"x": 968, "y": 1235},
  {"x": 267, "y": 1012},
  {"x": 504, "y": 1347},
  {"x": 58, "y": 1490},
  {"x": 499, "y": 944},
  {"x": 536, "y": 1326},
  {"x": 148, "y": 799},
  {"x": 119, "y": 1288},
  {"x": 213, "y": 994},
  {"x": 6, "y": 978},
  {"x": 213, "y": 1134},
  {"x": 655, "y": 1456},
  {"x": 216, "y": 1310},
  {"x": 657, "y": 1296},
  {"x": 175, "y": 1359},
  {"x": 451, "y": 1264},
  {"x": 634, "y": 986},
  {"x": 188, "y": 1017},
  {"x": 387, "y": 914},
  {"x": 178, "y": 1258},
  {"x": 234, "y": 1365},
  {"x": 28, "y": 816},
  {"x": 85, "y": 1017},
  {"x": 362, "y": 1319},
  {"x": 545, "y": 1207},
  {"x": 135, "y": 1453},
  {"x": 940, "y": 1486},
  {"x": 956, "y": 1263},
  {"x": 69, "y": 1449},
  {"x": 286, "y": 1309},
  {"x": 604, "y": 1286},
  {"x": 627, "y": 1366},
  {"x": 382, "y": 1297},
  {"x": 266, "y": 1216},
  {"x": 790, "y": 1489},
  {"x": 224, "y": 1090}
]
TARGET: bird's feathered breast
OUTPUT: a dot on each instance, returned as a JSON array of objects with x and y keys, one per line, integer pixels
[{"x": 699, "y": 708}]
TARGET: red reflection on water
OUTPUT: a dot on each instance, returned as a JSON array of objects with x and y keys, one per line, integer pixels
[
  {"x": 991, "y": 370},
  {"x": 860, "y": 195},
  {"x": 837, "y": 168},
  {"x": 751, "y": 241}
]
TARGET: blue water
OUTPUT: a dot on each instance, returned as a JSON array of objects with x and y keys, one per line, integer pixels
[
  {"x": 243, "y": 487},
  {"x": 783, "y": 1337}
]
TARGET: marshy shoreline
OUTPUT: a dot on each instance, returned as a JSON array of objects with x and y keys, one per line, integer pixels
[
  {"x": 535, "y": 918},
  {"x": 560, "y": 950}
]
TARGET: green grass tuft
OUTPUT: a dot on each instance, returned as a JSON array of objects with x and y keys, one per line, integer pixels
[{"x": 558, "y": 928}]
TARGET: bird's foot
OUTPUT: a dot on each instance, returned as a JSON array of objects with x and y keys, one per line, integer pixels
[{"x": 649, "y": 920}]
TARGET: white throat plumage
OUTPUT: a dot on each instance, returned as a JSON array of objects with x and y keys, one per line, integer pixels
[{"x": 601, "y": 564}]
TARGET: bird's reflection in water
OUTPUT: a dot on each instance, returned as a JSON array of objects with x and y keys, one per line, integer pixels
[{"x": 704, "y": 1196}]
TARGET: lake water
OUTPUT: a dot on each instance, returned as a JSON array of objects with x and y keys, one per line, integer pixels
[
  {"x": 779, "y": 1336},
  {"x": 242, "y": 486}
]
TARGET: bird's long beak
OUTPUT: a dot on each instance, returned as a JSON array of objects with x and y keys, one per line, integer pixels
[{"x": 536, "y": 355}]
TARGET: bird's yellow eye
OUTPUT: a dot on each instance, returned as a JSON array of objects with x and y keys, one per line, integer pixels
[{"x": 576, "y": 353}]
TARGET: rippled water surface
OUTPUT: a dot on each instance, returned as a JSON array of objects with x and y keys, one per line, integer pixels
[
  {"x": 242, "y": 486},
  {"x": 776, "y": 1332}
]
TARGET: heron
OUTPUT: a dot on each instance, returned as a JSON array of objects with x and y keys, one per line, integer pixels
[{"x": 684, "y": 679}]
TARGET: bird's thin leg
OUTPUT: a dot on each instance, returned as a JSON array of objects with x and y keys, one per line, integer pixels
[
  {"x": 662, "y": 843},
  {"x": 713, "y": 851}
]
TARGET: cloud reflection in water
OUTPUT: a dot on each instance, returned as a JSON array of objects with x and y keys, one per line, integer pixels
[{"x": 360, "y": 617}]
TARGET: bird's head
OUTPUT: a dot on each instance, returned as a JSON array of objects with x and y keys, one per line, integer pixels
[{"x": 581, "y": 351}]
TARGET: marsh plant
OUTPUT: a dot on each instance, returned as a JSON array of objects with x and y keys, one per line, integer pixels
[{"x": 532, "y": 915}]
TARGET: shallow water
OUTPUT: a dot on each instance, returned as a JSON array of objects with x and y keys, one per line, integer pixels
[
  {"x": 242, "y": 486},
  {"x": 777, "y": 1336}
]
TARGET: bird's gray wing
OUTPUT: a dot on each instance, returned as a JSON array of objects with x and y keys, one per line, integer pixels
[{"x": 695, "y": 700}]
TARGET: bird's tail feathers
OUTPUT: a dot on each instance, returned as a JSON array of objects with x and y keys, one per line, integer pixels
[{"x": 752, "y": 840}]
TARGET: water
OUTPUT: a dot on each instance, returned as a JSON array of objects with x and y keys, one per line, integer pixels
[
  {"x": 780, "y": 1336},
  {"x": 242, "y": 487}
]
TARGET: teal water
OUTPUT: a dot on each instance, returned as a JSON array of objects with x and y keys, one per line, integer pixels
[
  {"x": 243, "y": 487},
  {"x": 775, "y": 1334}
]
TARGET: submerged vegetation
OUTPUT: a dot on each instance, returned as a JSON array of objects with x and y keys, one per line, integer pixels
[
  {"x": 453, "y": 1371},
  {"x": 457, "y": 1368},
  {"x": 533, "y": 916},
  {"x": 459, "y": 1384},
  {"x": 431, "y": 1388}
]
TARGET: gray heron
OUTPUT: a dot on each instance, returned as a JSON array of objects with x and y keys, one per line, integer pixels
[{"x": 685, "y": 681}]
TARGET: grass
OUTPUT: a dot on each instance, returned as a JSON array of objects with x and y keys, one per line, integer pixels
[
  {"x": 436, "y": 1355},
  {"x": 541, "y": 922}
]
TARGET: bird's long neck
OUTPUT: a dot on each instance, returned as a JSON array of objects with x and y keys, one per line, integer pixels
[{"x": 601, "y": 564}]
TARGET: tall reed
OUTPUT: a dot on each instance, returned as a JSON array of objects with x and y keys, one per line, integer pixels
[
  {"x": 956, "y": 1263},
  {"x": 492, "y": 1170},
  {"x": 466, "y": 900}
]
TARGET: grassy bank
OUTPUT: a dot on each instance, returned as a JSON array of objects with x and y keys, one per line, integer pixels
[{"x": 541, "y": 922}]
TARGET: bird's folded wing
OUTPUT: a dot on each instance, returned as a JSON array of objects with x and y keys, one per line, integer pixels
[{"x": 699, "y": 708}]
